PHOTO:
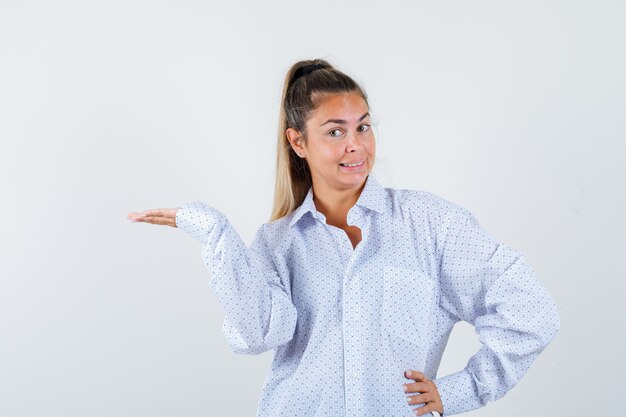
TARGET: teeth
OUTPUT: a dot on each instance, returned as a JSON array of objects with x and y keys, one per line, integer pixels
[{"x": 352, "y": 165}]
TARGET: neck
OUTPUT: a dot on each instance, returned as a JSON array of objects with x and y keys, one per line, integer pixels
[{"x": 334, "y": 204}]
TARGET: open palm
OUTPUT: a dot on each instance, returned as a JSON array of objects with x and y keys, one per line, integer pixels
[{"x": 164, "y": 216}]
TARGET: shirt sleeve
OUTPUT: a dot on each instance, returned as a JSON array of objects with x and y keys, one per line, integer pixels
[
  {"x": 259, "y": 313},
  {"x": 491, "y": 286}
]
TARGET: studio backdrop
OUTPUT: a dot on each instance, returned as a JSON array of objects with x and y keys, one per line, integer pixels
[{"x": 513, "y": 110}]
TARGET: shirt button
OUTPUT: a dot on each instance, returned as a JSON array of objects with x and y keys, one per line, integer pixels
[{"x": 354, "y": 375}]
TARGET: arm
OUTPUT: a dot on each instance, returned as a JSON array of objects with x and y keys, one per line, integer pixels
[
  {"x": 259, "y": 313},
  {"x": 492, "y": 286}
]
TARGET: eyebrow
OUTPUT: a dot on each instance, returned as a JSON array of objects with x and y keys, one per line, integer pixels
[{"x": 341, "y": 121}]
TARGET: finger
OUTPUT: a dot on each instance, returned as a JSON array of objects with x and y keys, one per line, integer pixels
[
  {"x": 424, "y": 409},
  {"x": 164, "y": 212},
  {"x": 136, "y": 219},
  {"x": 416, "y": 375},
  {"x": 153, "y": 212},
  {"x": 420, "y": 398},
  {"x": 134, "y": 214},
  {"x": 417, "y": 387},
  {"x": 157, "y": 220}
]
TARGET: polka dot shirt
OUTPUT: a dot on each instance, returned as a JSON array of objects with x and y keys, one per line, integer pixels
[{"x": 345, "y": 323}]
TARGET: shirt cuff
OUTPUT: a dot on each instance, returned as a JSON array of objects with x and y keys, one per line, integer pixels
[
  {"x": 458, "y": 393},
  {"x": 197, "y": 219}
]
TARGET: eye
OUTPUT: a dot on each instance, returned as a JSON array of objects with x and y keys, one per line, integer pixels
[
  {"x": 365, "y": 127},
  {"x": 335, "y": 130}
]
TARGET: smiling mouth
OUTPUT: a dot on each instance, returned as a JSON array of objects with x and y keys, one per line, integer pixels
[{"x": 356, "y": 164}]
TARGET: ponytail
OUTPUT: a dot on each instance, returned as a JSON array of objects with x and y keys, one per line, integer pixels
[{"x": 305, "y": 82}]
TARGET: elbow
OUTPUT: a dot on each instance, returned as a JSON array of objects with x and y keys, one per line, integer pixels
[
  {"x": 248, "y": 350},
  {"x": 556, "y": 325},
  {"x": 242, "y": 345},
  {"x": 280, "y": 331},
  {"x": 254, "y": 347},
  {"x": 549, "y": 324}
]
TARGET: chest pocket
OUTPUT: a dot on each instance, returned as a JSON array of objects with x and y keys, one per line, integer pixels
[{"x": 409, "y": 304}]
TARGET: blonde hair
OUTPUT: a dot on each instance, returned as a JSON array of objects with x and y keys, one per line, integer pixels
[{"x": 304, "y": 84}]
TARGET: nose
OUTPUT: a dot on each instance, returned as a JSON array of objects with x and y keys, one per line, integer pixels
[{"x": 352, "y": 142}]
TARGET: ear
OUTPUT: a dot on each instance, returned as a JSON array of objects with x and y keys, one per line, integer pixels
[{"x": 295, "y": 139}]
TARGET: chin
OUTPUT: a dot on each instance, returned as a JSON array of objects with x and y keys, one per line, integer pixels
[{"x": 354, "y": 179}]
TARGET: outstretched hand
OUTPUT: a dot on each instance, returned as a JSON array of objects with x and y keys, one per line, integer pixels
[
  {"x": 164, "y": 216},
  {"x": 429, "y": 395}
]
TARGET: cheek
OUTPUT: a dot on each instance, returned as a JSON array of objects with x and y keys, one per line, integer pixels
[
  {"x": 371, "y": 147},
  {"x": 333, "y": 154},
  {"x": 330, "y": 155}
]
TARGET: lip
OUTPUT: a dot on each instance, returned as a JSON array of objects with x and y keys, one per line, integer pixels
[
  {"x": 353, "y": 162},
  {"x": 356, "y": 168}
]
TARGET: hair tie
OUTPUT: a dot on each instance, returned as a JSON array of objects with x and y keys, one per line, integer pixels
[{"x": 304, "y": 70}]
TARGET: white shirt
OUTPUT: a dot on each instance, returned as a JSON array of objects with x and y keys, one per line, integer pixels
[{"x": 346, "y": 323}]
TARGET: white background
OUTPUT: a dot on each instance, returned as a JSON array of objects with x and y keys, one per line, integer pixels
[{"x": 514, "y": 110}]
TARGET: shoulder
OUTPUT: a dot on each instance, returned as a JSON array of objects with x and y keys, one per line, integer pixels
[
  {"x": 275, "y": 233},
  {"x": 425, "y": 204},
  {"x": 434, "y": 216}
]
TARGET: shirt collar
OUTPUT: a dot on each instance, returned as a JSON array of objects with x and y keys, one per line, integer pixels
[{"x": 373, "y": 197}]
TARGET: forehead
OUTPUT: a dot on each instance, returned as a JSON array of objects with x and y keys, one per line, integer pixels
[{"x": 340, "y": 105}]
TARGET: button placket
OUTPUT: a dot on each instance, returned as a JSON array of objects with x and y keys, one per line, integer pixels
[
  {"x": 351, "y": 363},
  {"x": 350, "y": 309}
]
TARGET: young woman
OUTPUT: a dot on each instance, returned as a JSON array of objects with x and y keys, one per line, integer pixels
[{"x": 356, "y": 286}]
